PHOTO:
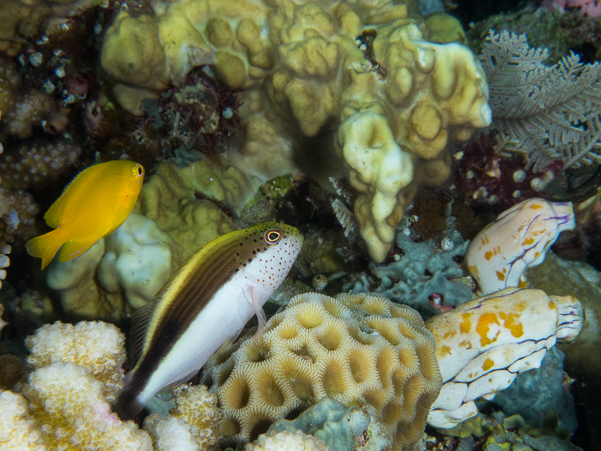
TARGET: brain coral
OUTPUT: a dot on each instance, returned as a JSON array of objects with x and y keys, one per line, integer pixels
[{"x": 358, "y": 349}]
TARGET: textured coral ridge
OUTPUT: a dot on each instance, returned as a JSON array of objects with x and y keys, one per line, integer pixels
[
  {"x": 309, "y": 67},
  {"x": 358, "y": 349},
  {"x": 484, "y": 344}
]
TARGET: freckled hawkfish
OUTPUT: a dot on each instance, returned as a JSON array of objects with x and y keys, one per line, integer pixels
[{"x": 207, "y": 301}]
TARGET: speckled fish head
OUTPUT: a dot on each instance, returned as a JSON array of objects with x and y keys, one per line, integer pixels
[{"x": 266, "y": 253}]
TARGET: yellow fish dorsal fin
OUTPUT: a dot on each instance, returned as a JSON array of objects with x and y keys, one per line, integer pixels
[{"x": 55, "y": 213}]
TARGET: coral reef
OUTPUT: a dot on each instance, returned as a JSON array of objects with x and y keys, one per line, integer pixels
[
  {"x": 178, "y": 211},
  {"x": 21, "y": 111},
  {"x": 501, "y": 432},
  {"x": 357, "y": 349},
  {"x": 38, "y": 164},
  {"x": 397, "y": 98},
  {"x": 582, "y": 361},
  {"x": 483, "y": 344},
  {"x": 566, "y": 127},
  {"x": 543, "y": 391},
  {"x": 288, "y": 440},
  {"x": 95, "y": 345},
  {"x": 65, "y": 402},
  {"x": 421, "y": 272},
  {"x": 498, "y": 256},
  {"x": 341, "y": 428},
  {"x": 492, "y": 182},
  {"x": 192, "y": 425}
]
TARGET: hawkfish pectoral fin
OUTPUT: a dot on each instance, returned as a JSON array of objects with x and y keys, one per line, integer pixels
[{"x": 249, "y": 295}]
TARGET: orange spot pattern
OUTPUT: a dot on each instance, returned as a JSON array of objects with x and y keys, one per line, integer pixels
[
  {"x": 466, "y": 324},
  {"x": 488, "y": 364},
  {"x": 536, "y": 206},
  {"x": 500, "y": 276},
  {"x": 445, "y": 350},
  {"x": 514, "y": 325},
  {"x": 483, "y": 327},
  {"x": 473, "y": 269},
  {"x": 528, "y": 241}
]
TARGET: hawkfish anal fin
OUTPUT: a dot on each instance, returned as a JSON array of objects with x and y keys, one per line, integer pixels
[
  {"x": 74, "y": 248},
  {"x": 139, "y": 325},
  {"x": 250, "y": 296}
]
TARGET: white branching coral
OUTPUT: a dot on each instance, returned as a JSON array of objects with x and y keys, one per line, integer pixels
[
  {"x": 194, "y": 423},
  {"x": 95, "y": 345}
]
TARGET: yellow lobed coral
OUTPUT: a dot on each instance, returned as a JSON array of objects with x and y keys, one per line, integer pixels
[
  {"x": 358, "y": 349},
  {"x": 95, "y": 345},
  {"x": 362, "y": 69}
]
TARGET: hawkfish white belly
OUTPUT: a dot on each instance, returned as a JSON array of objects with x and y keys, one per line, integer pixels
[{"x": 221, "y": 319}]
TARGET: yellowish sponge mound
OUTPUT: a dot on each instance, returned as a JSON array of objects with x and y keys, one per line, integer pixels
[{"x": 358, "y": 349}]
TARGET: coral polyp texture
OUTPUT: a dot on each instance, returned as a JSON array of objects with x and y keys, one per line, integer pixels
[
  {"x": 361, "y": 75},
  {"x": 286, "y": 440},
  {"x": 483, "y": 345},
  {"x": 192, "y": 425},
  {"x": 519, "y": 238},
  {"x": 37, "y": 164},
  {"x": 357, "y": 349},
  {"x": 95, "y": 345},
  {"x": 65, "y": 403}
]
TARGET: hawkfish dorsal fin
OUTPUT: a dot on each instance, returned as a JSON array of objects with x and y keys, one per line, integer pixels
[{"x": 139, "y": 325}]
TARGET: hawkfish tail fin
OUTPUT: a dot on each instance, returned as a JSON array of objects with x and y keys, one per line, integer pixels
[{"x": 44, "y": 246}]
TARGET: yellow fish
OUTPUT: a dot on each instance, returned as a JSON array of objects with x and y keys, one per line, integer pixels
[{"x": 93, "y": 205}]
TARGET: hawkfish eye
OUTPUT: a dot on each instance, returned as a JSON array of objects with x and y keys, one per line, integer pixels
[
  {"x": 271, "y": 237},
  {"x": 139, "y": 170}
]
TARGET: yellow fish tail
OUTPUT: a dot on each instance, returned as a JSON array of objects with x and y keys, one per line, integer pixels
[{"x": 44, "y": 246}]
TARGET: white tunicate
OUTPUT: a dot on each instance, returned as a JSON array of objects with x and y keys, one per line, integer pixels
[
  {"x": 517, "y": 193},
  {"x": 60, "y": 72},
  {"x": 227, "y": 113},
  {"x": 36, "y": 59},
  {"x": 519, "y": 176},
  {"x": 48, "y": 86},
  {"x": 469, "y": 174},
  {"x": 446, "y": 244}
]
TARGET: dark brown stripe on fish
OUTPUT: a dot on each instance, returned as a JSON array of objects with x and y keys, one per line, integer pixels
[{"x": 199, "y": 287}]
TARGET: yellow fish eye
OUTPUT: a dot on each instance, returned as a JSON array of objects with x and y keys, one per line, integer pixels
[
  {"x": 272, "y": 237},
  {"x": 138, "y": 170}
]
